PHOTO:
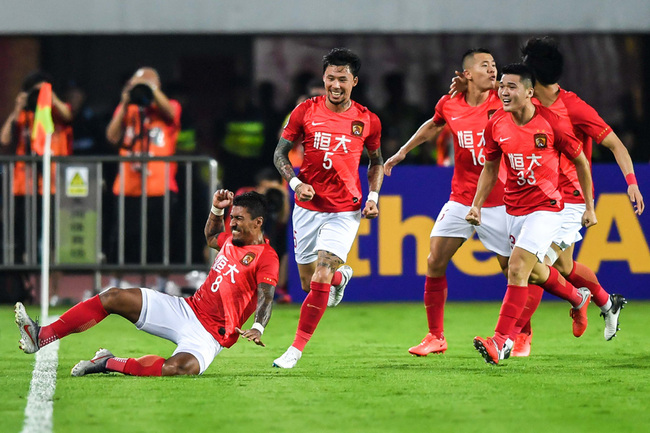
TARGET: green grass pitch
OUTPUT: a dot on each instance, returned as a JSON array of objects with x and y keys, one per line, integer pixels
[{"x": 356, "y": 376}]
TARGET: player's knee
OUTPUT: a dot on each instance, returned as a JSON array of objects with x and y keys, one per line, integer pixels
[
  {"x": 435, "y": 266},
  {"x": 110, "y": 298},
  {"x": 175, "y": 368}
]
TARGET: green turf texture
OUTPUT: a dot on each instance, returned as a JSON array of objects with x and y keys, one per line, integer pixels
[{"x": 356, "y": 376}]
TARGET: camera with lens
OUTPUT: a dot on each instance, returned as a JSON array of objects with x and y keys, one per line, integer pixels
[
  {"x": 32, "y": 99},
  {"x": 141, "y": 95}
]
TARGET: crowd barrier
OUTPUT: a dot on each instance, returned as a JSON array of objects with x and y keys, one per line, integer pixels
[
  {"x": 81, "y": 200},
  {"x": 389, "y": 255}
]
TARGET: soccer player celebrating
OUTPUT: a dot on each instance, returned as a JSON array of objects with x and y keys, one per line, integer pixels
[
  {"x": 242, "y": 280},
  {"x": 530, "y": 137},
  {"x": 467, "y": 114},
  {"x": 326, "y": 217},
  {"x": 547, "y": 62}
]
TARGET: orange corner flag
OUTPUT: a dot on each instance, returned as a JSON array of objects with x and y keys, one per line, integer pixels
[{"x": 43, "y": 123}]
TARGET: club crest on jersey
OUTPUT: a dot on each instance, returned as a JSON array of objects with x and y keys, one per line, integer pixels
[
  {"x": 540, "y": 140},
  {"x": 248, "y": 259},
  {"x": 491, "y": 113},
  {"x": 357, "y": 128}
]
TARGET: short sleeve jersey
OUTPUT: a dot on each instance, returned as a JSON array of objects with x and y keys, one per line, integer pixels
[
  {"x": 467, "y": 124},
  {"x": 532, "y": 157},
  {"x": 159, "y": 141},
  {"x": 333, "y": 145},
  {"x": 587, "y": 125},
  {"x": 228, "y": 296}
]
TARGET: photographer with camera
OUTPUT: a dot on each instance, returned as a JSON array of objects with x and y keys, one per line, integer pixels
[{"x": 145, "y": 123}]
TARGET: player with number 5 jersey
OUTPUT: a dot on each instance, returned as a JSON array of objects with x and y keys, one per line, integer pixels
[{"x": 334, "y": 130}]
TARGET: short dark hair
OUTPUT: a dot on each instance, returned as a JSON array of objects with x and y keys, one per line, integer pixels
[
  {"x": 253, "y": 201},
  {"x": 544, "y": 57},
  {"x": 471, "y": 53},
  {"x": 342, "y": 57},
  {"x": 268, "y": 173},
  {"x": 35, "y": 78},
  {"x": 524, "y": 72}
]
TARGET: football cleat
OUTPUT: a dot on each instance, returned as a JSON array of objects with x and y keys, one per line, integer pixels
[
  {"x": 95, "y": 365},
  {"x": 507, "y": 349},
  {"x": 336, "y": 292},
  {"x": 522, "y": 344},
  {"x": 579, "y": 313},
  {"x": 487, "y": 347},
  {"x": 611, "y": 315},
  {"x": 289, "y": 359},
  {"x": 29, "y": 329},
  {"x": 430, "y": 344}
]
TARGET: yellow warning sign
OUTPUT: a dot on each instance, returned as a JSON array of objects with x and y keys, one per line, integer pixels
[{"x": 76, "y": 182}]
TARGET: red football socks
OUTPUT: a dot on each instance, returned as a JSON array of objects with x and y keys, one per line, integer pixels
[
  {"x": 582, "y": 276},
  {"x": 532, "y": 302},
  {"x": 311, "y": 312},
  {"x": 337, "y": 278},
  {"x": 82, "y": 316},
  {"x": 435, "y": 296},
  {"x": 148, "y": 365},
  {"x": 511, "y": 308},
  {"x": 560, "y": 287}
]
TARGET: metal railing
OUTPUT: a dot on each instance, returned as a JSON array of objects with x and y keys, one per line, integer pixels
[{"x": 29, "y": 260}]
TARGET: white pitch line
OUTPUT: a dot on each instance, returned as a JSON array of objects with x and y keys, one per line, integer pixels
[{"x": 39, "y": 409}]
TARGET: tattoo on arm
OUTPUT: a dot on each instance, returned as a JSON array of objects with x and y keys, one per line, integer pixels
[
  {"x": 375, "y": 170},
  {"x": 214, "y": 226},
  {"x": 264, "y": 303},
  {"x": 281, "y": 159}
]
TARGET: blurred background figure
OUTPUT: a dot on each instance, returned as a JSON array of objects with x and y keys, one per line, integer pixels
[{"x": 145, "y": 123}]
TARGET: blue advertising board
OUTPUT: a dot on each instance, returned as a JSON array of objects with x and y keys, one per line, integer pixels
[{"x": 390, "y": 252}]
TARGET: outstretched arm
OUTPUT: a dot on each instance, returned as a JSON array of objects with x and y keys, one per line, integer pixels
[
  {"x": 304, "y": 191},
  {"x": 265, "y": 293},
  {"x": 613, "y": 143},
  {"x": 427, "y": 131},
  {"x": 214, "y": 226}
]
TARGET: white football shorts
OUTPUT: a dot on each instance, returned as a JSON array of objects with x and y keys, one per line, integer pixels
[
  {"x": 172, "y": 318},
  {"x": 534, "y": 232},
  {"x": 492, "y": 232},
  {"x": 333, "y": 232}
]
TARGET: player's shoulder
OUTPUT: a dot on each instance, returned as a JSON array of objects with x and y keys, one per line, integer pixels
[
  {"x": 546, "y": 113},
  {"x": 268, "y": 251},
  {"x": 497, "y": 115}
]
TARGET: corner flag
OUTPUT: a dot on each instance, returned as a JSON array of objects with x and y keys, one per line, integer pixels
[{"x": 43, "y": 124}]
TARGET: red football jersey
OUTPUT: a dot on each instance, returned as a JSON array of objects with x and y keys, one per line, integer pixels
[
  {"x": 467, "y": 124},
  {"x": 532, "y": 157},
  {"x": 587, "y": 125},
  {"x": 228, "y": 296},
  {"x": 333, "y": 145}
]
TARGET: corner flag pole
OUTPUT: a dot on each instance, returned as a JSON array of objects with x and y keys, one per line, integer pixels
[{"x": 42, "y": 139}]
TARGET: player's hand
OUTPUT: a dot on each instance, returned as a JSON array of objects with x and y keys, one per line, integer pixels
[
  {"x": 222, "y": 198},
  {"x": 305, "y": 192},
  {"x": 458, "y": 84},
  {"x": 392, "y": 162},
  {"x": 589, "y": 218},
  {"x": 636, "y": 198},
  {"x": 371, "y": 210},
  {"x": 252, "y": 335},
  {"x": 474, "y": 216}
]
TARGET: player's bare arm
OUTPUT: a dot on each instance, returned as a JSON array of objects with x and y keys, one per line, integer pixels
[
  {"x": 486, "y": 182},
  {"x": 613, "y": 143},
  {"x": 375, "y": 179},
  {"x": 215, "y": 225},
  {"x": 584, "y": 177},
  {"x": 265, "y": 294},
  {"x": 304, "y": 191},
  {"x": 426, "y": 132}
]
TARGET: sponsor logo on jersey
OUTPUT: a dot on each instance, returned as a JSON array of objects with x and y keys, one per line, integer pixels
[
  {"x": 248, "y": 259},
  {"x": 357, "y": 128},
  {"x": 540, "y": 140}
]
